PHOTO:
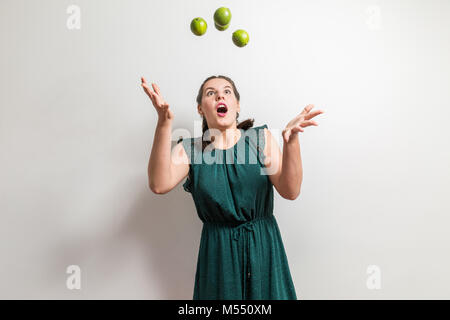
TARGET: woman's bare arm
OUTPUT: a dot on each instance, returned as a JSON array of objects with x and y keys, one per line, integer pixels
[
  {"x": 159, "y": 163},
  {"x": 165, "y": 170},
  {"x": 286, "y": 171}
]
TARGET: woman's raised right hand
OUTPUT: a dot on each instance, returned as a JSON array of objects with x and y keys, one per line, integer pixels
[{"x": 161, "y": 106}]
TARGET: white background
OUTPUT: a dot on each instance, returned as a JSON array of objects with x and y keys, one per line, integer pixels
[{"x": 76, "y": 131}]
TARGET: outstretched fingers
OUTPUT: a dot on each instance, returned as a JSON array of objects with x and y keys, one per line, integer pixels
[
  {"x": 156, "y": 88},
  {"x": 307, "y": 123},
  {"x": 312, "y": 114},
  {"x": 147, "y": 89},
  {"x": 306, "y": 109}
]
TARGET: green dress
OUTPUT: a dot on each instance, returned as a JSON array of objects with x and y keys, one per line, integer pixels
[{"x": 241, "y": 254}]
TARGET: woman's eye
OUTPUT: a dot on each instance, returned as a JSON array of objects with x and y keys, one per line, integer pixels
[{"x": 213, "y": 91}]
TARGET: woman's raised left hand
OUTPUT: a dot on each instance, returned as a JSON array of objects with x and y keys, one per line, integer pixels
[{"x": 301, "y": 121}]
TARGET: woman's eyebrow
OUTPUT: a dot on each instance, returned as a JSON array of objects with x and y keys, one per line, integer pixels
[{"x": 213, "y": 88}]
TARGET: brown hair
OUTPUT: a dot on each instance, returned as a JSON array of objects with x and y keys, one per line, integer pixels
[{"x": 246, "y": 124}]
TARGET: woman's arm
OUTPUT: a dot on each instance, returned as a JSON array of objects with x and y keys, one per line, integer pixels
[
  {"x": 292, "y": 171},
  {"x": 286, "y": 171},
  {"x": 162, "y": 174},
  {"x": 159, "y": 162}
]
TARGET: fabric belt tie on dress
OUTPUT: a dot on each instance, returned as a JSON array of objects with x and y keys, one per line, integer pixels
[{"x": 236, "y": 231}]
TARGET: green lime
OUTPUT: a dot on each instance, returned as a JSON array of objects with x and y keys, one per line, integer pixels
[
  {"x": 198, "y": 26},
  {"x": 240, "y": 38},
  {"x": 222, "y": 16}
]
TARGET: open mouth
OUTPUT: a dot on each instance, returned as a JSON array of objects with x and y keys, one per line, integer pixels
[{"x": 222, "y": 110}]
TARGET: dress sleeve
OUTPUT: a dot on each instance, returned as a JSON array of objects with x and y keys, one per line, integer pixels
[
  {"x": 188, "y": 148},
  {"x": 261, "y": 142},
  {"x": 256, "y": 139}
]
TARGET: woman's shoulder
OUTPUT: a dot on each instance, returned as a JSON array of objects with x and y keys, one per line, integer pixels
[
  {"x": 192, "y": 146},
  {"x": 256, "y": 131},
  {"x": 261, "y": 126},
  {"x": 257, "y": 134},
  {"x": 257, "y": 128}
]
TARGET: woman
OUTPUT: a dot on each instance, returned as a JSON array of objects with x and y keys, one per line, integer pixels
[{"x": 241, "y": 254}]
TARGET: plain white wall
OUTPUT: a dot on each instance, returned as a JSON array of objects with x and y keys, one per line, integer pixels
[{"x": 76, "y": 131}]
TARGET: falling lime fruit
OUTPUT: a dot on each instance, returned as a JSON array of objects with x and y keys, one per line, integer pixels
[
  {"x": 198, "y": 26},
  {"x": 222, "y": 16},
  {"x": 221, "y": 28},
  {"x": 240, "y": 38}
]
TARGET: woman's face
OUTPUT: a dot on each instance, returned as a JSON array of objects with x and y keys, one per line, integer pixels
[{"x": 219, "y": 91}]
